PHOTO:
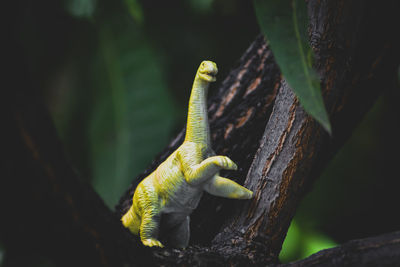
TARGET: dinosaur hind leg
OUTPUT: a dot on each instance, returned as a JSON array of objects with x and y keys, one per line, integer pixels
[
  {"x": 131, "y": 221},
  {"x": 179, "y": 235},
  {"x": 149, "y": 229}
]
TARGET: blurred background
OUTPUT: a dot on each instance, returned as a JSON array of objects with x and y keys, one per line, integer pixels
[{"x": 116, "y": 77}]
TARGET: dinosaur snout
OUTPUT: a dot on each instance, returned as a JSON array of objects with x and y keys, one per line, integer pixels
[{"x": 208, "y": 71}]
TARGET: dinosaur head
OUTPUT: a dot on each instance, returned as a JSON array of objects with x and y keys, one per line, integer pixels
[{"x": 207, "y": 71}]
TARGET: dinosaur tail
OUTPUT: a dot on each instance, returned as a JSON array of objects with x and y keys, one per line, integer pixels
[{"x": 131, "y": 221}]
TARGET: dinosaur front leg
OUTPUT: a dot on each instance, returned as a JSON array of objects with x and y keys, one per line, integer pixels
[
  {"x": 203, "y": 171},
  {"x": 223, "y": 187},
  {"x": 149, "y": 229}
]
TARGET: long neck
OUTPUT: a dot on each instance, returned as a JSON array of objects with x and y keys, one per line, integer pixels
[{"x": 197, "y": 129}]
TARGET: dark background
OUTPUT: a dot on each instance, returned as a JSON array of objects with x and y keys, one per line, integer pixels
[{"x": 116, "y": 78}]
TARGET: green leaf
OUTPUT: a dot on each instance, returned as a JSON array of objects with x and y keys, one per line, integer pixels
[
  {"x": 134, "y": 114},
  {"x": 284, "y": 23},
  {"x": 202, "y": 6},
  {"x": 315, "y": 242},
  {"x": 135, "y": 9},
  {"x": 301, "y": 241},
  {"x": 292, "y": 246},
  {"x": 81, "y": 8}
]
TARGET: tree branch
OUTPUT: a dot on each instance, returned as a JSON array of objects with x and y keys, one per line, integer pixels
[
  {"x": 49, "y": 211},
  {"x": 294, "y": 148},
  {"x": 383, "y": 250}
]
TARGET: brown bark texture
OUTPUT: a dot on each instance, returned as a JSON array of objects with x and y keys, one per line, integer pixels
[{"x": 255, "y": 119}]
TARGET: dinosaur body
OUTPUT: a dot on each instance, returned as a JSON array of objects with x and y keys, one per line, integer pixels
[{"x": 174, "y": 189}]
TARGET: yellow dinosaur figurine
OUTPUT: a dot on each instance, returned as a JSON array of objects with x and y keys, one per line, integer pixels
[{"x": 174, "y": 189}]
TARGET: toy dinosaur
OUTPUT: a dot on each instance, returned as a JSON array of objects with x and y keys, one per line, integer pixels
[{"x": 174, "y": 189}]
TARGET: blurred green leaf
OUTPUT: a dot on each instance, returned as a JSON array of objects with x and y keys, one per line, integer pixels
[
  {"x": 284, "y": 23},
  {"x": 302, "y": 241},
  {"x": 81, "y": 8},
  {"x": 134, "y": 113},
  {"x": 315, "y": 242},
  {"x": 291, "y": 247},
  {"x": 202, "y": 6},
  {"x": 135, "y": 9}
]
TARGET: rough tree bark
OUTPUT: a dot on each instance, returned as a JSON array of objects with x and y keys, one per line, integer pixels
[{"x": 255, "y": 119}]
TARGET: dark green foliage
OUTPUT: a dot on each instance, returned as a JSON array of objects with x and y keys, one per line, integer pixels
[
  {"x": 132, "y": 89},
  {"x": 284, "y": 23},
  {"x": 119, "y": 109}
]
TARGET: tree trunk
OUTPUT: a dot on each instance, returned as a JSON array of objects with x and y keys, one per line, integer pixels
[{"x": 255, "y": 119}]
